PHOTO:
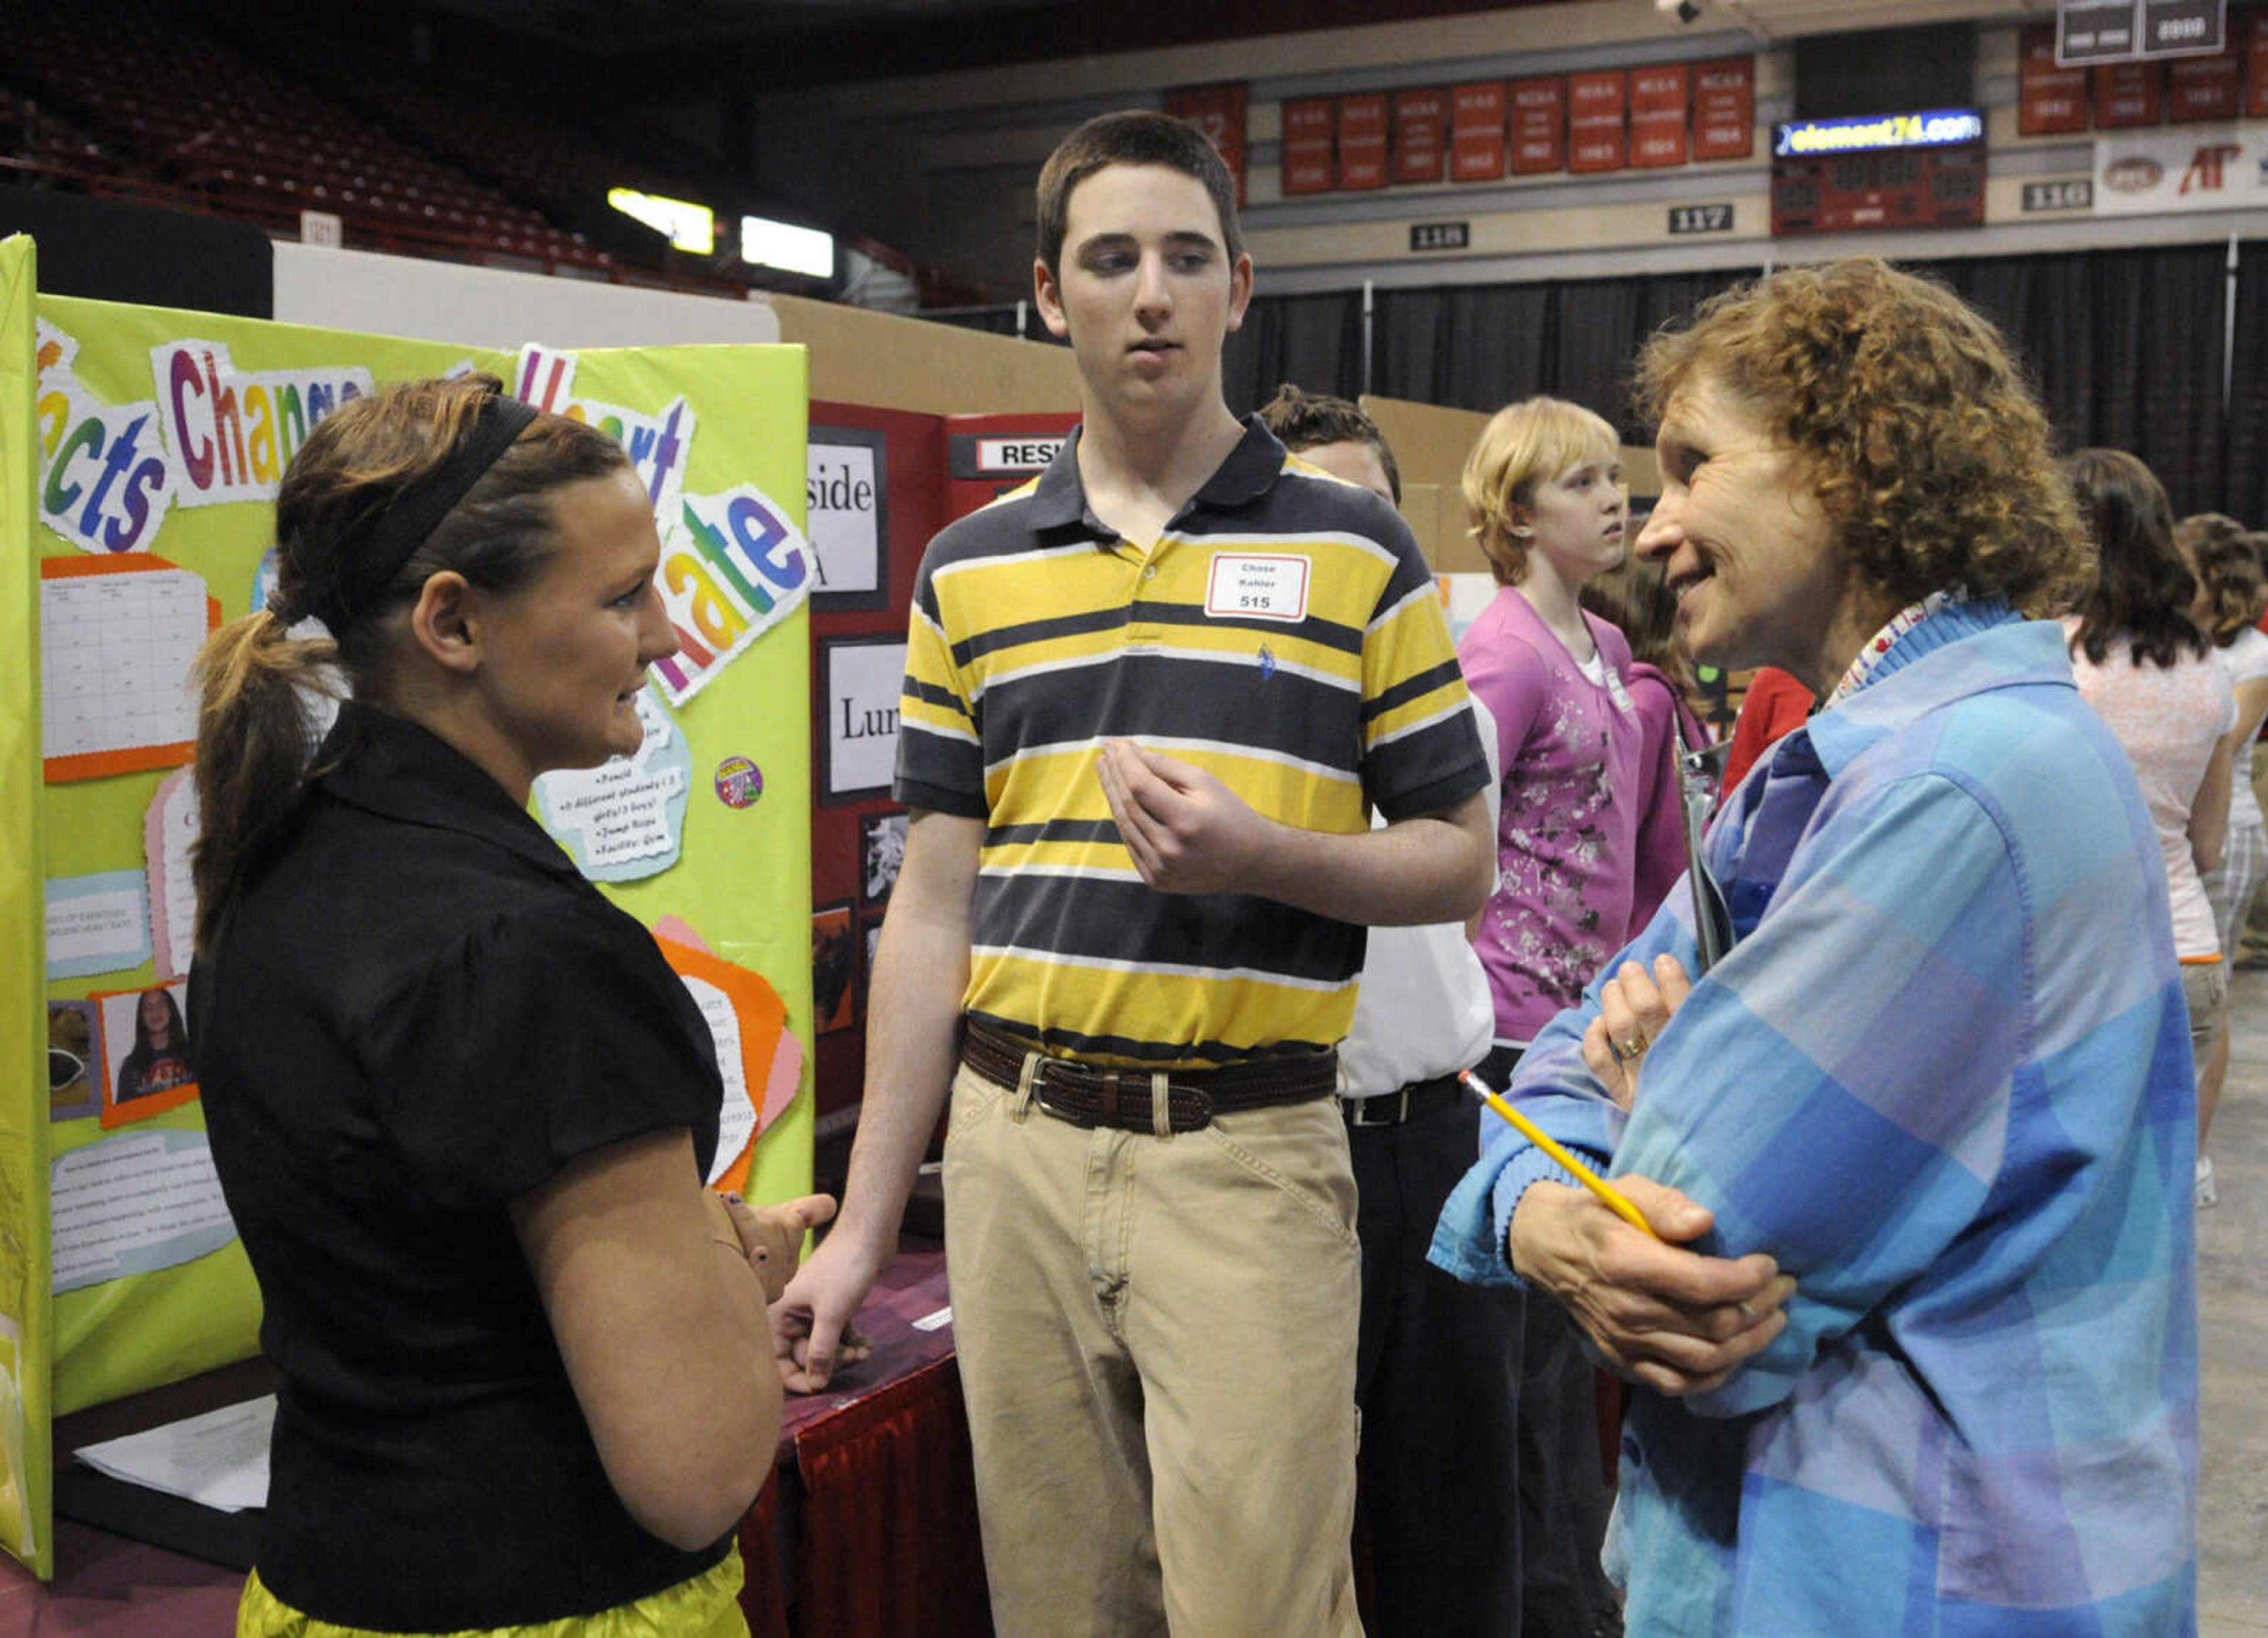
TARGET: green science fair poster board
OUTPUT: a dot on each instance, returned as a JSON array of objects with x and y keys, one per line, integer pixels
[{"x": 143, "y": 450}]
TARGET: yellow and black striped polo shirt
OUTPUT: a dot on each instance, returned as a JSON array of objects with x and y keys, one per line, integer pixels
[{"x": 1283, "y": 633}]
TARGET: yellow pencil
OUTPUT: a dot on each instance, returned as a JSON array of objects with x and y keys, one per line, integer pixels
[{"x": 1618, "y": 1203}]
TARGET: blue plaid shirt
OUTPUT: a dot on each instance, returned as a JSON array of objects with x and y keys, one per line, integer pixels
[{"x": 1944, "y": 1077}]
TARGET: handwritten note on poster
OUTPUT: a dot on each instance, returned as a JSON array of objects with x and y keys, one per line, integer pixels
[
  {"x": 625, "y": 819},
  {"x": 130, "y": 1204},
  {"x": 117, "y": 637}
]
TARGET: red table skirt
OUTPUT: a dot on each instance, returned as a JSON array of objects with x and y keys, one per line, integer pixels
[{"x": 868, "y": 1529}]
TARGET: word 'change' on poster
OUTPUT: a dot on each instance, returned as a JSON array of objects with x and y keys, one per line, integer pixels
[
  {"x": 626, "y": 818},
  {"x": 130, "y": 1204},
  {"x": 118, "y": 636}
]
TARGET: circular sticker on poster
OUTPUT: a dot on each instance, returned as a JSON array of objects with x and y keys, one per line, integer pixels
[{"x": 739, "y": 782}]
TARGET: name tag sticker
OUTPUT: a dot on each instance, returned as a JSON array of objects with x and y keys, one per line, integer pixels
[{"x": 1257, "y": 586}]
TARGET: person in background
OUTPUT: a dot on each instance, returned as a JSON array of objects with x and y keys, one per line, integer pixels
[
  {"x": 460, "y": 1106},
  {"x": 2232, "y": 594},
  {"x": 1151, "y": 697},
  {"x": 2251, "y": 953},
  {"x": 1542, "y": 485},
  {"x": 1437, "y": 1361},
  {"x": 159, "y": 1061},
  {"x": 1636, "y": 599},
  {"x": 1914, "y": 1324},
  {"x": 2150, "y": 669},
  {"x": 1775, "y": 703}
]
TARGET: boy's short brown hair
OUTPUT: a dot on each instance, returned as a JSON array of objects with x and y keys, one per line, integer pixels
[{"x": 1133, "y": 136}]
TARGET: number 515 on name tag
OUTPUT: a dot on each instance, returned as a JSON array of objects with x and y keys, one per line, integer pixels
[{"x": 1257, "y": 586}]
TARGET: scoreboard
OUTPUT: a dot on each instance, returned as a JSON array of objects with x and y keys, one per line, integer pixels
[{"x": 1886, "y": 172}]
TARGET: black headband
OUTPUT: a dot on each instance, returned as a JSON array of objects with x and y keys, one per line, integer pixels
[{"x": 416, "y": 512}]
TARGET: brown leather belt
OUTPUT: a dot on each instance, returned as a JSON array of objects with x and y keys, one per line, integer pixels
[{"x": 1089, "y": 1097}]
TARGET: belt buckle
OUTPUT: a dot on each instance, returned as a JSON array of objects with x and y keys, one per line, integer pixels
[
  {"x": 1359, "y": 1116},
  {"x": 1040, "y": 1078}
]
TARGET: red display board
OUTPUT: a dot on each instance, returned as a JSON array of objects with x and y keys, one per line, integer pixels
[
  {"x": 1725, "y": 108},
  {"x": 1310, "y": 157},
  {"x": 1598, "y": 126},
  {"x": 918, "y": 472},
  {"x": 1362, "y": 142},
  {"x": 1219, "y": 111},
  {"x": 2128, "y": 94},
  {"x": 1421, "y": 134},
  {"x": 891, "y": 465},
  {"x": 2050, "y": 100},
  {"x": 1658, "y": 113},
  {"x": 1539, "y": 126}
]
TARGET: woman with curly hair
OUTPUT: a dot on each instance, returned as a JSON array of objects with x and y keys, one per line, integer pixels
[
  {"x": 2231, "y": 596},
  {"x": 1913, "y": 1315}
]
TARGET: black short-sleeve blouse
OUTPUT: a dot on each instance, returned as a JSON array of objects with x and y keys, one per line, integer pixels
[{"x": 418, "y": 1009}]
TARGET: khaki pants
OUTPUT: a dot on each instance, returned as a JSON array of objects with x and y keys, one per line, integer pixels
[{"x": 1157, "y": 1343}]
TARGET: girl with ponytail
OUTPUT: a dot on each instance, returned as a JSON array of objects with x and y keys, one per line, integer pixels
[{"x": 460, "y": 1106}]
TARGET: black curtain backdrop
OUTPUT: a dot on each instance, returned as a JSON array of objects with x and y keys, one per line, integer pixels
[
  {"x": 2244, "y": 493},
  {"x": 1315, "y": 341},
  {"x": 1460, "y": 346},
  {"x": 2125, "y": 347},
  {"x": 1483, "y": 347}
]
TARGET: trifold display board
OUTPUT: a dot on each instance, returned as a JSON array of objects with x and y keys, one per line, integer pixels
[{"x": 143, "y": 450}]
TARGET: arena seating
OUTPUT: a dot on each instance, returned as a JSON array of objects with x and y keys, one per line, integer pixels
[{"x": 129, "y": 101}]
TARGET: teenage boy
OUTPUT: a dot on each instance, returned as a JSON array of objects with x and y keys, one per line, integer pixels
[
  {"x": 1149, "y": 700},
  {"x": 1437, "y": 1368}
]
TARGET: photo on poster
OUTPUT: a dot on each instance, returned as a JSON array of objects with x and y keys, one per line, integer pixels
[
  {"x": 73, "y": 1083},
  {"x": 146, "y": 1056},
  {"x": 860, "y": 682},
  {"x": 834, "y": 967},
  {"x": 847, "y": 517},
  {"x": 881, "y": 855}
]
